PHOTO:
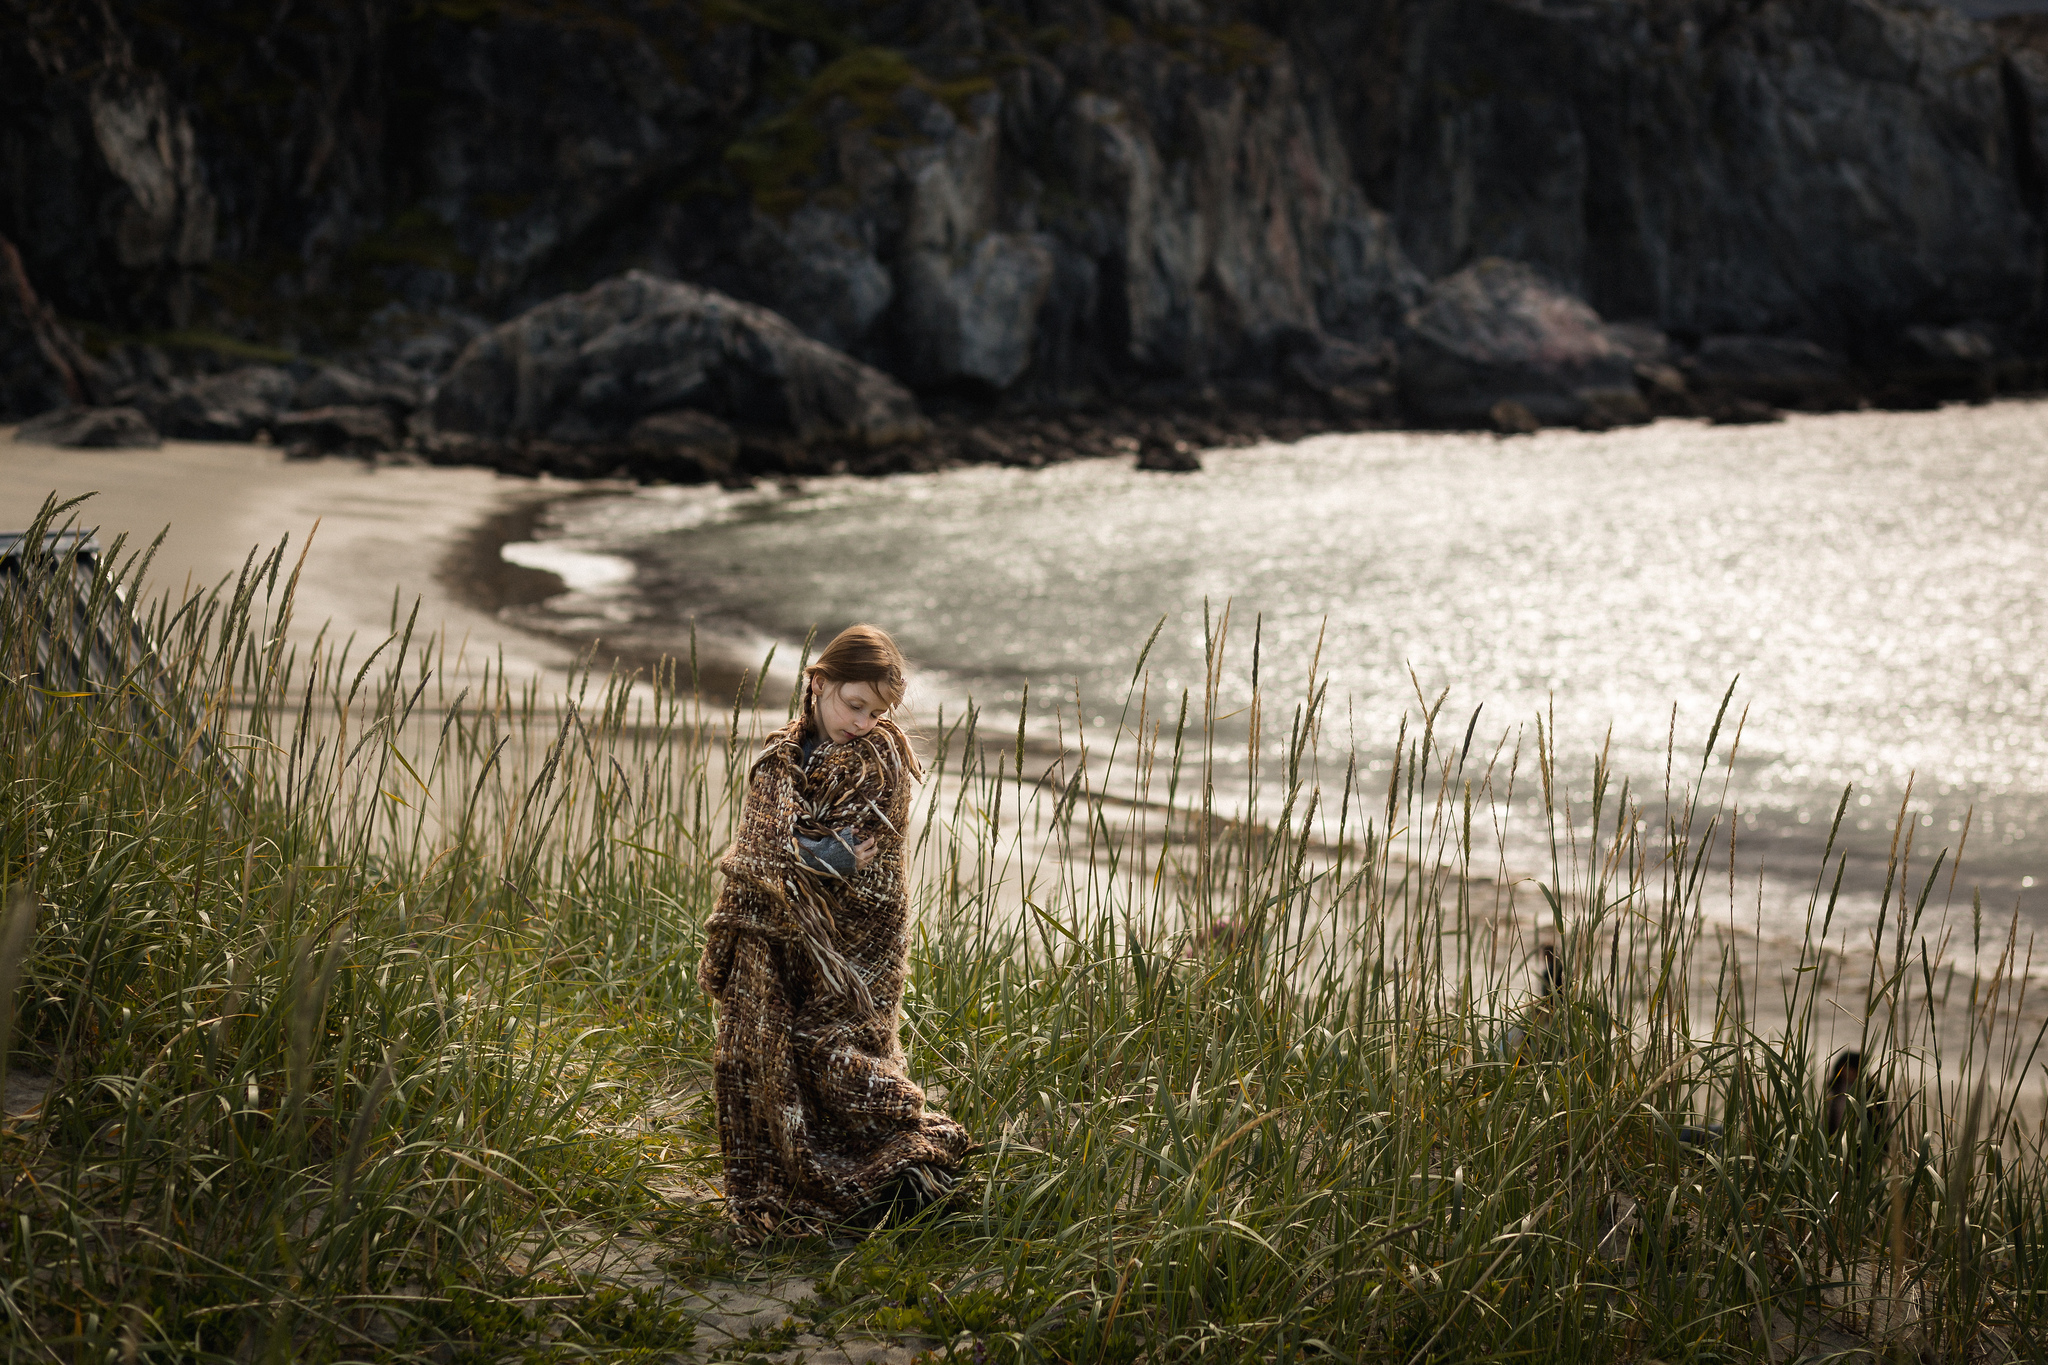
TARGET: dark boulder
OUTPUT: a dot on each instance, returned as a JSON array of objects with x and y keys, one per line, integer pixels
[
  {"x": 1784, "y": 372},
  {"x": 1659, "y": 381},
  {"x": 331, "y": 386},
  {"x": 339, "y": 430},
  {"x": 1929, "y": 366},
  {"x": 1352, "y": 378},
  {"x": 91, "y": 429},
  {"x": 1498, "y": 331},
  {"x": 236, "y": 406},
  {"x": 585, "y": 368},
  {"x": 1641, "y": 342},
  {"x": 979, "y": 445},
  {"x": 1664, "y": 390},
  {"x": 683, "y": 446}
]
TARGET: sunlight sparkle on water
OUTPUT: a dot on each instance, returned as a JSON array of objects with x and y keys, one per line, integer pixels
[{"x": 1875, "y": 579}]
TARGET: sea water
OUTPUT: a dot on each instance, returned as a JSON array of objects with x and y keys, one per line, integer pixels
[{"x": 1872, "y": 586}]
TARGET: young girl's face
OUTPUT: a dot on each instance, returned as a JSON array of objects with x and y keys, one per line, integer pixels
[{"x": 846, "y": 711}]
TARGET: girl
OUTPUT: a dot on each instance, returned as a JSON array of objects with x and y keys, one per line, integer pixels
[{"x": 806, "y": 954}]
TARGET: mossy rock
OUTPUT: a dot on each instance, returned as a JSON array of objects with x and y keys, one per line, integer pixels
[{"x": 780, "y": 158}]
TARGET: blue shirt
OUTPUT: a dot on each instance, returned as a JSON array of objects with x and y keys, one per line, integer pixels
[{"x": 834, "y": 853}]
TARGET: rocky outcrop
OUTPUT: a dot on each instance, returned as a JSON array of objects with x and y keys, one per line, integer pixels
[
  {"x": 585, "y": 370},
  {"x": 1830, "y": 169},
  {"x": 1050, "y": 203},
  {"x": 683, "y": 446},
  {"x": 1242, "y": 232},
  {"x": 1929, "y": 366},
  {"x": 90, "y": 429},
  {"x": 1783, "y": 372},
  {"x": 42, "y": 365},
  {"x": 336, "y": 430},
  {"x": 121, "y": 217},
  {"x": 332, "y": 386},
  {"x": 1110, "y": 205},
  {"x": 1498, "y": 333},
  {"x": 236, "y": 406}
]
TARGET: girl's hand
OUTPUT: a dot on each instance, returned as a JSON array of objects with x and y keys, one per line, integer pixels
[{"x": 863, "y": 853}]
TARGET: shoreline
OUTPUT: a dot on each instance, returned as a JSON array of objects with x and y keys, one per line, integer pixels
[
  {"x": 475, "y": 571},
  {"x": 1778, "y": 867},
  {"x": 440, "y": 533},
  {"x": 369, "y": 540},
  {"x": 390, "y": 532}
]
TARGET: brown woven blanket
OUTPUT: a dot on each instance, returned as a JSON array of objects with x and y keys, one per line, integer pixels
[{"x": 817, "y": 1115}]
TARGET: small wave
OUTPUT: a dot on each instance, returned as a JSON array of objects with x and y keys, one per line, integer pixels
[{"x": 579, "y": 570}]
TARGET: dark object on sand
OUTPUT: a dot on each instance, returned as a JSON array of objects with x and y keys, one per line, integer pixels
[
  {"x": 1529, "y": 1037},
  {"x": 1856, "y": 1105},
  {"x": 1927, "y": 366},
  {"x": 1663, "y": 389},
  {"x": 331, "y": 386},
  {"x": 90, "y": 429},
  {"x": 1169, "y": 457}
]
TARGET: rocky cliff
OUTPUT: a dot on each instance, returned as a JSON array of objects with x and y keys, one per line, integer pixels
[{"x": 1037, "y": 204}]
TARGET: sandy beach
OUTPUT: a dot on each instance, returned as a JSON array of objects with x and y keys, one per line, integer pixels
[{"x": 371, "y": 534}]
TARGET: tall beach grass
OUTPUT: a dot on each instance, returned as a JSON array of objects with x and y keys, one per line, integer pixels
[{"x": 356, "y": 985}]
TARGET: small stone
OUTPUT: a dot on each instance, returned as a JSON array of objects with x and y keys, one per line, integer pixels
[
  {"x": 1169, "y": 457},
  {"x": 90, "y": 429},
  {"x": 1724, "y": 411},
  {"x": 1607, "y": 409},
  {"x": 1662, "y": 386},
  {"x": 984, "y": 448},
  {"x": 1512, "y": 418}
]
